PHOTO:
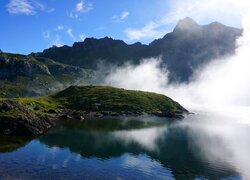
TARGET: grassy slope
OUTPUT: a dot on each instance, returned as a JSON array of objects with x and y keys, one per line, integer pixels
[
  {"x": 105, "y": 98},
  {"x": 94, "y": 98},
  {"x": 28, "y": 107}
]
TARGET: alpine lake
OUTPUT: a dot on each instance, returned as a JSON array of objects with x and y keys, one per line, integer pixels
[{"x": 129, "y": 148}]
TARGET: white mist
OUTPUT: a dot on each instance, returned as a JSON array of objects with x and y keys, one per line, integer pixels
[{"x": 220, "y": 92}]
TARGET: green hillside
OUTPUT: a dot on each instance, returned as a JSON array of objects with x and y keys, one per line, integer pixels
[
  {"x": 106, "y": 98},
  {"x": 26, "y": 76},
  {"x": 36, "y": 115}
]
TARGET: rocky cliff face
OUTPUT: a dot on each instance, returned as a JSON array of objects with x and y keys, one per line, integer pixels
[
  {"x": 12, "y": 66},
  {"x": 189, "y": 46},
  {"x": 92, "y": 51},
  {"x": 22, "y": 75},
  {"x": 19, "y": 119}
]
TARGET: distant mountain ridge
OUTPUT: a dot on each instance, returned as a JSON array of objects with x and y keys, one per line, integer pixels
[
  {"x": 88, "y": 53},
  {"x": 189, "y": 46}
]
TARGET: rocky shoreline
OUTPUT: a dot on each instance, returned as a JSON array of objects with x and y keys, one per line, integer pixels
[
  {"x": 81, "y": 115},
  {"x": 31, "y": 123},
  {"x": 18, "y": 119},
  {"x": 35, "y": 116}
]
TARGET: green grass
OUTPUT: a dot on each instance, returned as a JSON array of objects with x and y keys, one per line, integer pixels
[
  {"x": 92, "y": 98},
  {"x": 23, "y": 86},
  {"x": 27, "y": 108},
  {"x": 106, "y": 98}
]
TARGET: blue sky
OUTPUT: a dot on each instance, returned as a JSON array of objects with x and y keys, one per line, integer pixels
[{"x": 33, "y": 25}]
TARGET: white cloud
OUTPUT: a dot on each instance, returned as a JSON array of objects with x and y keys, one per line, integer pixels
[
  {"x": 226, "y": 11},
  {"x": 26, "y": 7},
  {"x": 70, "y": 33},
  {"x": 80, "y": 7},
  {"x": 46, "y": 34},
  {"x": 38, "y": 5},
  {"x": 149, "y": 31},
  {"x": 20, "y": 7},
  {"x": 57, "y": 41},
  {"x": 139, "y": 77},
  {"x": 82, "y": 37},
  {"x": 204, "y": 11},
  {"x": 73, "y": 15},
  {"x": 124, "y": 15},
  {"x": 53, "y": 39},
  {"x": 119, "y": 18},
  {"x": 60, "y": 27}
]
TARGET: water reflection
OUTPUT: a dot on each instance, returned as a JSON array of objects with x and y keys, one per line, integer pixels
[
  {"x": 222, "y": 142},
  {"x": 182, "y": 150},
  {"x": 12, "y": 143},
  {"x": 147, "y": 138}
]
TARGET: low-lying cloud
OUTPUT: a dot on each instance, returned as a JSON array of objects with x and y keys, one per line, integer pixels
[
  {"x": 219, "y": 90},
  {"x": 147, "y": 76}
]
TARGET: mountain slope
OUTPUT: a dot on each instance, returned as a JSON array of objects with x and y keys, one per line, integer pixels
[
  {"x": 105, "y": 98},
  {"x": 92, "y": 51},
  {"x": 22, "y": 75},
  {"x": 189, "y": 46}
]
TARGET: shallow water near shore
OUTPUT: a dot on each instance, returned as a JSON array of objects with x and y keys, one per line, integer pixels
[{"x": 195, "y": 147}]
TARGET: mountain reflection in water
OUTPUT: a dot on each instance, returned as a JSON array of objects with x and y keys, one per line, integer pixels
[{"x": 170, "y": 150}]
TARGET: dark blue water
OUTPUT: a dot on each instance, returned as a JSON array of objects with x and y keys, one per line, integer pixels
[{"x": 78, "y": 151}]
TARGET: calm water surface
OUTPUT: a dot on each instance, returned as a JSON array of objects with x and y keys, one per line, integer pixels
[{"x": 114, "y": 150}]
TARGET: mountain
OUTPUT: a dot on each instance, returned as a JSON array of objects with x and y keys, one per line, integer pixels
[
  {"x": 191, "y": 45},
  {"x": 188, "y": 47},
  {"x": 22, "y": 75},
  {"x": 92, "y": 51}
]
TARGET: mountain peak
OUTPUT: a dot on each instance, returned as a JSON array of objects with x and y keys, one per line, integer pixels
[
  {"x": 186, "y": 24},
  {"x": 105, "y": 41},
  {"x": 216, "y": 25},
  {"x": 187, "y": 19}
]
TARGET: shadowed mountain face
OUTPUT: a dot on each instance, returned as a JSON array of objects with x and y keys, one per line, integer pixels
[
  {"x": 22, "y": 75},
  {"x": 92, "y": 51},
  {"x": 189, "y": 46}
]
